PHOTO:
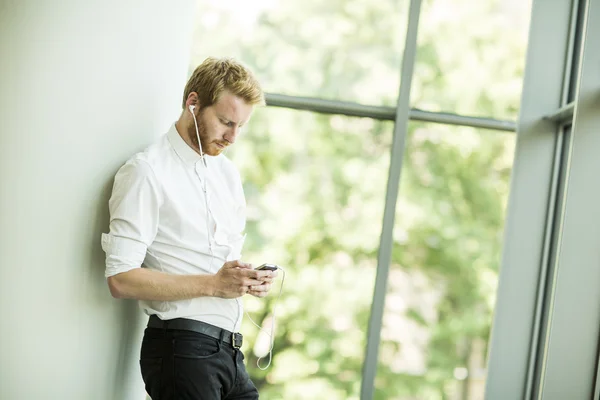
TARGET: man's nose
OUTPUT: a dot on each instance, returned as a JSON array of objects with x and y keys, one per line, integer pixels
[{"x": 231, "y": 134}]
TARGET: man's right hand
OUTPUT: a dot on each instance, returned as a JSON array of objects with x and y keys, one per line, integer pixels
[{"x": 235, "y": 278}]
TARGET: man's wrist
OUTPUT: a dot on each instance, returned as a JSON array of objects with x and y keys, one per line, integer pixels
[{"x": 209, "y": 284}]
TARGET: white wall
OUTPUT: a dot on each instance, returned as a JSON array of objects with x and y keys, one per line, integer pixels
[{"x": 83, "y": 85}]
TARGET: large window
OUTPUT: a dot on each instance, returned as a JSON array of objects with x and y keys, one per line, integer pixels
[{"x": 316, "y": 189}]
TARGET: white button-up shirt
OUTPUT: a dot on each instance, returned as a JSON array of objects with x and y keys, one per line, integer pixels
[{"x": 173, "y": 213}]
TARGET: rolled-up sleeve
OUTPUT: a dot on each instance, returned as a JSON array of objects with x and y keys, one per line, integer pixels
[{"x": 133, "y": 208}]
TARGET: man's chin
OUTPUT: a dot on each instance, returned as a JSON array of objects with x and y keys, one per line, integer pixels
[{"x": 214, "y": 151}]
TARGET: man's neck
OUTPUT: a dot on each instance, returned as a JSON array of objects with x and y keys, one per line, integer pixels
[{"x": 180, "y": 126}]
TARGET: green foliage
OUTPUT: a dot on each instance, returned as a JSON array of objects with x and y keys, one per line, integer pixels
[{"x": 315, "y": 187}]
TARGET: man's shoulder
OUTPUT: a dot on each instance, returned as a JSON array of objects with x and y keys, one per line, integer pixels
[
  {"x": 152, "y": 155},
  {"x": 147, "y": 161}
]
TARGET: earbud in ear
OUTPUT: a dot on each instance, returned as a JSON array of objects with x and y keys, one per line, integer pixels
[{"x": 192, "y": 108}]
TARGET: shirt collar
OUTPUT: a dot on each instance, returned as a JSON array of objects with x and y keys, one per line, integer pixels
[{"x": 183, "y": 150}]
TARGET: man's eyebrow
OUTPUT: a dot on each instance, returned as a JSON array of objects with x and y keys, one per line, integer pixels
[{"x": 228, "y": 120}]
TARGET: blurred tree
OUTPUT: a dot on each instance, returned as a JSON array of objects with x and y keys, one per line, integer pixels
[{"x": 315, "y": 187}]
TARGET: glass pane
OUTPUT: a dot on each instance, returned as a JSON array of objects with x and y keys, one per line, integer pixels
[
  {"x": 340, "y": 49},
  {"x": 471, "y": 57},
  {"x": 315, "y": 188},
  {"x": 446, "y": 253}
]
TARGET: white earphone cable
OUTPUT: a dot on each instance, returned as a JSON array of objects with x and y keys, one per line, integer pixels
[{"x": 204, "y": 189}]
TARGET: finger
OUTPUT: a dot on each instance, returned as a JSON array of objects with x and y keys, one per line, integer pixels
[
  {"x": 257, "y": 294},
  {"x": 265, "y": 287},
  {"x": 264, "y": 275},
  {"x": 252, "y": 282},
  {"x": 258, "y": 275}
]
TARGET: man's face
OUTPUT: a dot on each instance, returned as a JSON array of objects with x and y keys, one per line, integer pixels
[{"x": 219, "y": 125}]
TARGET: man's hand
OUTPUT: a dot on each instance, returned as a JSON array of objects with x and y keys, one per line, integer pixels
[
  {"x": 263, "y": 289},
  {"x": 236, "y": 278}
]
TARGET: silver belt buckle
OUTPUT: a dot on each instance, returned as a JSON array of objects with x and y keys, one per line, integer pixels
[{"x": 237, "y": 340}]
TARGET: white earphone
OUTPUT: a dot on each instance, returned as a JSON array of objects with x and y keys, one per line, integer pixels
[{"x": 192, "y": 107}]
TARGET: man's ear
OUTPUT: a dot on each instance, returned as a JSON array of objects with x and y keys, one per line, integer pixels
[{"x": 192, "y": 100}]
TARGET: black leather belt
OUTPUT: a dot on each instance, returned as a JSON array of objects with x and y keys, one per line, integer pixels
[{"x": 234, "y": 339}]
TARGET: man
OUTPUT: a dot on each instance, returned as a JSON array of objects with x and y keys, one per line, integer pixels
[{"x": 178, "y": 208}]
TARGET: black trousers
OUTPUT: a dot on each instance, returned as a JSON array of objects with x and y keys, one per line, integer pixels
[{"x": 185, "y": 365}]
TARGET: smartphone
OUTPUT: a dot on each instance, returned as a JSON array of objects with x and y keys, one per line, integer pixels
[{"x": 268, "y": 267}]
